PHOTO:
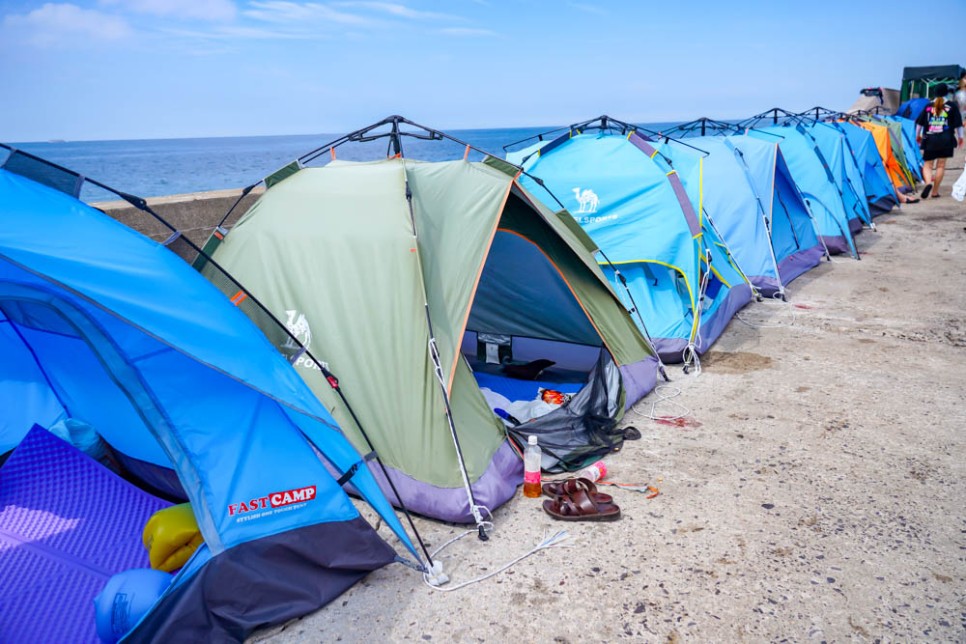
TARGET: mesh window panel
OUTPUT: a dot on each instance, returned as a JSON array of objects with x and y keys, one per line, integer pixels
[{"x": 44, "y": 173}]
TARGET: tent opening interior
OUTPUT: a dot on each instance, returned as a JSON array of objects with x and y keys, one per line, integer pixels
[{"x": 527, "y": 332}]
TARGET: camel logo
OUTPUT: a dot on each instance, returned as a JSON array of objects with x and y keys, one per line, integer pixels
[
  {"x": 298, "y": 326},
  {"x": 587, "y": 199}
]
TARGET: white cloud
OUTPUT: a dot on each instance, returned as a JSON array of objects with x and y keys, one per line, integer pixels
[
  {"x": 213, "y": 10},
  {"x": 284, "y": 12},
  {"x": 589, "y": 8},
  {"x": 54, "y": 24},
  {"x": 398, "y": 10},
  {"x": 467, "y": 31},
  {"x": 230, "y": 33}
]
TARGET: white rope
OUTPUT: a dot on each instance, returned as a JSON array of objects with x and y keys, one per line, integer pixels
[
  {"x": 664, "y": 395},
  {"x": 548, "y": 542},
  {"x": 691, "y": 360}
]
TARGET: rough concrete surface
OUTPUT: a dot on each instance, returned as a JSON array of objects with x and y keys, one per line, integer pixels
[{"x": 816, "y": 490}]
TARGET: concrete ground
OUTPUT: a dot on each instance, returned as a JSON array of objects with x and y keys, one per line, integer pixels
[{"x": 815, "y": 491}]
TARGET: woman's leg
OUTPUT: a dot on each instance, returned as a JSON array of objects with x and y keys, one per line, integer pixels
[
  {"x": 927, "y": 178},
  {"x": 940, "y": 171}
]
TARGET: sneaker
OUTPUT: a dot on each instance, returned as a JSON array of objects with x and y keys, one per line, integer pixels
[{"x": 926, "y": 190}]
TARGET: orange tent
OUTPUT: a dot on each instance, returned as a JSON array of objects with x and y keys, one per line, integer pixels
[{"x": 883, "y": 143}]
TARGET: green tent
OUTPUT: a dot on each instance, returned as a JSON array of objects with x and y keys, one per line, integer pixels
[{"x": 425, "y": 287}]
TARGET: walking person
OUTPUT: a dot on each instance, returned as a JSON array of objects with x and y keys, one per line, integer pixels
[{"x": 939, "y": 130}]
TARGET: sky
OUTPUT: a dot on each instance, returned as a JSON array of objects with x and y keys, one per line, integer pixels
[{"x": 143, "y": 69}]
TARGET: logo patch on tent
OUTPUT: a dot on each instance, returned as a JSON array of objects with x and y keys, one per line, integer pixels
[
  {"x": 298, "y": 326},
  {"x": 587, "y": 201},
  {"x": 272, "y": 503}
]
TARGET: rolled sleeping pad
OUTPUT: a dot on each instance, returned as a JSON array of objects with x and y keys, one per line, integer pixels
[
  {"x": 171, "y": 536},
  {"x": 125, "y": 599}
]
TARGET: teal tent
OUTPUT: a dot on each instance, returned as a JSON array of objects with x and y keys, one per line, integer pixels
[
  {"x": 748, "y": 193},
  {"x": 657, "y": 248}
]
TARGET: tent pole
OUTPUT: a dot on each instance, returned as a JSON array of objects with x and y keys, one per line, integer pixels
[{"x": 438, "y": 370}]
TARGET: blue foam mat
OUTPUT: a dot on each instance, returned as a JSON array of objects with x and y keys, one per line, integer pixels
[{"x": 67, "y": 524}]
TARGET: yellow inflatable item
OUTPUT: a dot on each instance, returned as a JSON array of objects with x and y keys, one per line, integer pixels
[{"x": 171, "y": 536}]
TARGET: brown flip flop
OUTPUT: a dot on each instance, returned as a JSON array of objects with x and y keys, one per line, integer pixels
[
  {"x": 570, "y": 486},
  {"x": 580, "y": 507}
]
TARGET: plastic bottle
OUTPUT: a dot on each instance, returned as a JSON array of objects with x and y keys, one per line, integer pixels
[
  {"x": 594, "y": 472},
  {"x": 531, "y": 469}
]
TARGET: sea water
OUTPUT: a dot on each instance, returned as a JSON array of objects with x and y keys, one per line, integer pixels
[{"x": 161, "y": 167}]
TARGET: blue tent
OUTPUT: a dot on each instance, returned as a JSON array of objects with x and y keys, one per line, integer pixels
[
  {"x": 879, "y": 192},
  {"x": 631, "y": 202},
  {"x": 845, "y": 171},
  {"x": 101, "y": 325},
  {"x": 912, "y": 108},
  {"x": 749, "y": 195},
  {"x": 813, "y": 176}
]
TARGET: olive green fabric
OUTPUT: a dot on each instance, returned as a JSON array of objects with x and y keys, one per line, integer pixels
[
  {"x": 457, "y": 208},
  {"x": 331, "y": 251},
  {"x": 336, "y": 245}
]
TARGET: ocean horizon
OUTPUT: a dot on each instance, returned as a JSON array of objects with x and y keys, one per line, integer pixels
[{"x": 162, "y": 167}]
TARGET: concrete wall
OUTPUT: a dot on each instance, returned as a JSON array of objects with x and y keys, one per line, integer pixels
[{"x": 195, "y": 214}]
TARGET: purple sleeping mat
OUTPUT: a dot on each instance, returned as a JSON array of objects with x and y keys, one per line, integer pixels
[{"x": 67, "y": 524}]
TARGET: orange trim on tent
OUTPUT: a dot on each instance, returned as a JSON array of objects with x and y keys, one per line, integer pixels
[{"x": 476, "y": 283}]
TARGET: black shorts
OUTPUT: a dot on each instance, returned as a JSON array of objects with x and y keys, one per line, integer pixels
[{"x": 938, "y": 146}]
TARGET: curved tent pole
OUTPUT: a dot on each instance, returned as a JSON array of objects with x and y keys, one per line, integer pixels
[
  {"x": 141, "y": 204},
  {"x": 704, "y": 124}
]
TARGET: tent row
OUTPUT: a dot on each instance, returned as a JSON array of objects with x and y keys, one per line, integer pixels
[{"x": 455, "y": 308}]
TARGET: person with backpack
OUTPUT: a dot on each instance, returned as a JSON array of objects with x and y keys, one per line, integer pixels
[{"x": 939, "y": 130}]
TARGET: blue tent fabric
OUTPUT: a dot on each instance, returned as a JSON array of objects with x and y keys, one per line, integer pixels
[
  {"x": 912, "y": 108},
  {"x": 814, "y": 179},
  {"x": 95, "y": 316},
  {"x": 834, "y": 148},
  {"x": 633, "y": 205},
  {"x": 879, "y": 192},
  {"x": 737, "y": 183}
]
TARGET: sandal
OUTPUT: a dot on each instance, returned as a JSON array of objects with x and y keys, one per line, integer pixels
[
  {"x": 569, "y": 487},
  {"x": 580, "y": 507},
  {"x": 926, "y": 190}
]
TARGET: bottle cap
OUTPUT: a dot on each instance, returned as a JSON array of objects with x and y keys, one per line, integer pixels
[{"x": 532, "y": 440}]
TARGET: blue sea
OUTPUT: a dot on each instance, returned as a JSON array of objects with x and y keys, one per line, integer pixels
[{"x": 160, "y": 167}]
